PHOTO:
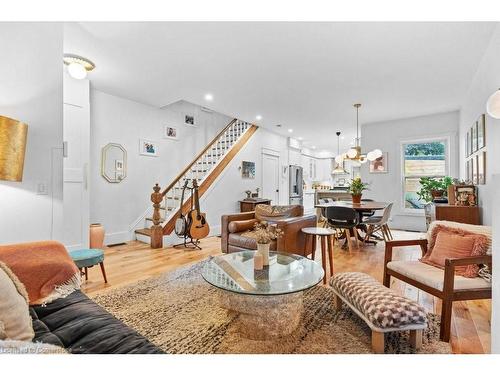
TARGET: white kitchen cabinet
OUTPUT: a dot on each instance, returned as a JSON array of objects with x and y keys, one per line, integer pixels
[{"x": 308, "y": 201}]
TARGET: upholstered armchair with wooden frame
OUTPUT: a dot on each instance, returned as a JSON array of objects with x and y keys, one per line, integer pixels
[{"x": 443, "y": 284}]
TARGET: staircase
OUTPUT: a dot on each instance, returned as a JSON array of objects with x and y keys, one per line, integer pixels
[{"x": 205, "y": 168}]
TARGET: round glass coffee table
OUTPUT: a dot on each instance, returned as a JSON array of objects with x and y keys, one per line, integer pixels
[{"x": 268, "y": 301}]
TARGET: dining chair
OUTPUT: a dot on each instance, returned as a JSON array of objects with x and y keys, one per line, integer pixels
[
  {"x": 379, "y": 223},
  {"x": 370, "y": 213},
  {"x": 344, "y": 219},
  {"x": 322, "y": 218}
]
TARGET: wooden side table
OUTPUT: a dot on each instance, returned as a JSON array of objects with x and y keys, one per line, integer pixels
[
  {"x": 247, "y": 205},
  {"x": 327, "y": 237}
]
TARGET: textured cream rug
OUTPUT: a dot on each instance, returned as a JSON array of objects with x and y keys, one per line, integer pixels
[{"x": 179, "y": 312}]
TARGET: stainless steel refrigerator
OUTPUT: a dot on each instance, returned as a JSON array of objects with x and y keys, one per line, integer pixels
[{"x": 295, "y": 184}]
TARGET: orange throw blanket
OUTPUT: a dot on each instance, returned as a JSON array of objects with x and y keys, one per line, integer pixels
[{"x": 45, "y": 268}]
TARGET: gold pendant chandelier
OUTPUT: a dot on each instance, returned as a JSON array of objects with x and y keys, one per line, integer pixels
[{"x": 354, "y": 152}]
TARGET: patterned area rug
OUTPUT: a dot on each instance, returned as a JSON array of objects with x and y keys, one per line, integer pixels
[{"x": 179, "y": 312}]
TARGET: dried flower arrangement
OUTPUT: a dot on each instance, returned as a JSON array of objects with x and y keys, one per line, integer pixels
[{"x": 265, "y": 232}]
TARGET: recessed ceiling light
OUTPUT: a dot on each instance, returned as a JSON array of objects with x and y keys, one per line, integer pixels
[
  {"x": 313, "y": 147},
  {"x": 290, "y": 130},
  {"x": 258, "y": 117},
  {"x": 209, "y": 97},
  {"x": 300, "y": 138},
  {"x": 78, "y": 66},
  {"x": 342, "y": 137}
]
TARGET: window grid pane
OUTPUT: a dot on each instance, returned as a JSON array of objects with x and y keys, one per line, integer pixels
[{"x": 423, "y": 159}]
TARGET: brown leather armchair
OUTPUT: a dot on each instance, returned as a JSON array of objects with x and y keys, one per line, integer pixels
[{"x": 236, "y": 231}]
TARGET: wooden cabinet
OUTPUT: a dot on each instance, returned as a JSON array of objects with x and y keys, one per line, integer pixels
[
  {"x": 460, "y": 214},
  {"x": 247, "y": 205}
]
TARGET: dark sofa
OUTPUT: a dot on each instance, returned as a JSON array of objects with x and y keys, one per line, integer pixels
[{"x": 83, "y": 327}]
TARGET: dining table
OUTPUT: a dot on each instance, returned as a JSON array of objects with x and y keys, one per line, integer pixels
[{"x": 360, "y": 208}]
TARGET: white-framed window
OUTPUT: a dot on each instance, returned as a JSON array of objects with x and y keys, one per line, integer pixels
[{"x": 422, "y": 158}]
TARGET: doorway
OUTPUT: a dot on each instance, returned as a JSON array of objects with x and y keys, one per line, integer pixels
[{"x": 271, "y": 176}]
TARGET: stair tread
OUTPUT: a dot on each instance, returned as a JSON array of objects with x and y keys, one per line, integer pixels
[{"x": 144, "y": 231}]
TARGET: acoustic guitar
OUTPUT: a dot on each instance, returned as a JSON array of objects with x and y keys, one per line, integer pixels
[{"x": 198, "y": 224}]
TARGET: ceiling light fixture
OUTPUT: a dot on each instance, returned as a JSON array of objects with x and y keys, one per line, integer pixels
[
  {"x": 78, "y": 66},
  {"x": 290, "y": 130},
  {"x": 209, "y": 97},
  {"x": 354, "y": 152},
  {"x": 339, "y": 159},
  {"x": 258, "y": 117},
  {"x": 493, "y": 105},
  {"x": 300, "y": 138}
]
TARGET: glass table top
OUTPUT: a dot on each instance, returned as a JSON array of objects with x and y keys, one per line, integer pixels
[{"x": 286, "y": 273}]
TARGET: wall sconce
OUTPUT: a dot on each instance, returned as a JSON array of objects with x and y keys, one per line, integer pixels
[
  {"x": 13, "y": 136},
  {"x": 493, "y": 105}
]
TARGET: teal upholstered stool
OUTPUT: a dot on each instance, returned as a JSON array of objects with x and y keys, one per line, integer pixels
[{"x": 86, "y": 258}]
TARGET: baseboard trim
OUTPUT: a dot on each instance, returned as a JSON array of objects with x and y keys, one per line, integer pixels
[{"x": 116, "y": 237}]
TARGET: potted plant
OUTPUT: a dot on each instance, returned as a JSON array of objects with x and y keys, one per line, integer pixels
[
  {"x": 432, "y": 188},
  {"x": 264, "y": 234},
  {"x": 356, "y": 188}
]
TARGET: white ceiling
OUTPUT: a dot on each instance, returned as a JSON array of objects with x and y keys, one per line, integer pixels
[{"x": 305, "y": 76}]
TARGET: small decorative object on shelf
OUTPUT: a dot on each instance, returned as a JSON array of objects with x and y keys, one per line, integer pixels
[
  {"x": 248, "y": 193},
  {"x": 96, "y": 236},
  {"x": 465, "y": 195},
  {"x": 356, "y": 188},
  {"x": 264, "y": 234}
]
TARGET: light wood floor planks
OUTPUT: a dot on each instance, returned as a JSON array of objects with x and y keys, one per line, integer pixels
[{"x": 137, "y": 261}]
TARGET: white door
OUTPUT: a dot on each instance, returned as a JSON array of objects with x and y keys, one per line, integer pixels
[
  {"x": 76, "y": 134},
  {"x": 271, "y": 177}
]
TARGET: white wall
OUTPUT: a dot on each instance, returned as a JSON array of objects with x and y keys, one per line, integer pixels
[
  {"x": 485, "y": 82},
  {"x": 119, "y": 120},
  {"x": 388, "y": 136},
  {"x": 31, "y": 91}
]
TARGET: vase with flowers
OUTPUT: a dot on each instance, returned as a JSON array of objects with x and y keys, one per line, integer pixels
[
  {"x": 264, "y": 234},
  {"x": 356, "y": 188}
]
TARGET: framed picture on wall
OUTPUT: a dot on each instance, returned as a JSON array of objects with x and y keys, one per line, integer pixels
[
  {"x": 481, "y": 168},
  {"x": 380, "y": 165},
  {"x": 170, "y": 132},
  {"x": 473, "y": 161},
  {"x": 189, "y": 119},
  {"x": 474, "y": 137},
  {"x": 481, "y": 131},
  {"x": 248, "y": 169},
  {"x": 148, "y": 148}
]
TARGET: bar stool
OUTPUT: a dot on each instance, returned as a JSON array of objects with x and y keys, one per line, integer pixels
[{"x": 327, "y": 241}]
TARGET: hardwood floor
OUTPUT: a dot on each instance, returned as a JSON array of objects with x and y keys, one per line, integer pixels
[{"x": 137, "y": 261}]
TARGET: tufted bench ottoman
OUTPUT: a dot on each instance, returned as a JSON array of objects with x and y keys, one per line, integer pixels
[{"x": 380, "y": 307}]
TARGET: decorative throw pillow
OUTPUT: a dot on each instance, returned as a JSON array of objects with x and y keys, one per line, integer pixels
[
  {"x": 28, "y": 347},
  {"x": 448, "y": 243},
  {"x": 241, "y": 225},
  {"x": 14, "y": 309}
]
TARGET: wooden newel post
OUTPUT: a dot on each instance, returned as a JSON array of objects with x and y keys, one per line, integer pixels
[{"x": 156, "y": 229}]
